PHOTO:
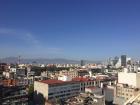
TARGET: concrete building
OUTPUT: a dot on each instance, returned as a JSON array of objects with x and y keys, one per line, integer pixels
[
  {"x": 64, "y": 78},
  {"x": 11, "y": 94},
  {"x": 123, "y": 93},
  {"x": 94, "y": 90},
  {"x": 83, "y": 63},
  {"x": 56, "y": 89},
  {"x": 71, "y": 73},
  {"x": 118, "y": 64},
  {"x": 83, "y": 72},
  {"x": 21, "y": 72},
  {"x": 4, "y": 66},
  {"x": 130, "y": 78},
  {"x": 135, "y": 100},
  {"x": 85, "y": 82},
  {"x": 109, "y": 93},
  {"x": 90, "y": 82},
  {"x": 128, "y": 86},
  {"x": 123, "y": 60}
]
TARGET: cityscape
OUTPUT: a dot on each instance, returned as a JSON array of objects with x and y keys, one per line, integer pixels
[
  {"x": 115, "y": 82},
  {"x": 69, "y": 52}
]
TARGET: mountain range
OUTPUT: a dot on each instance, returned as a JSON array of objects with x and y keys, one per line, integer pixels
[{"x": 43, "y": 61}]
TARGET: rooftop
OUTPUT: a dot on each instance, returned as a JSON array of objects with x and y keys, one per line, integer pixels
[
  {"x": 92, "y": 87},
  {"x": 54, "y": 81},
  {"x": 83, "y": 79}
]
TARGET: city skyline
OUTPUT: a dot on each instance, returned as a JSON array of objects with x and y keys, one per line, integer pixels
[{"x": 91, "y": 30}]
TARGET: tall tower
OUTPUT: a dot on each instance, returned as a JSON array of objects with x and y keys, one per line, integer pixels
[
  {"x": 82, "y": 63},
  {"x": 123, "y": 60},
  {"x": 19, "y": 59}
]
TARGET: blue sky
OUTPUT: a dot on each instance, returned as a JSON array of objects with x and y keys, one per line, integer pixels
[{"x": 73, "y": 29}]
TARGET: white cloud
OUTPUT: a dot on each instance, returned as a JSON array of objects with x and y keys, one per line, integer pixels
[
  {"x": 31, "y": 38},
  {"x": 24, "y": 36},
  {"x": 5, "y": 31},
  {"x": 34, "y": 45}
]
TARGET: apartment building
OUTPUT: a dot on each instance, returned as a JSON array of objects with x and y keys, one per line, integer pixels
[
  {"x": 14, "y": 95},
  {"x": 85, "y": 82},
  {"x": 133, "y": 100},
  {"x": 130, "y": 78},
  {"x": 72, "y": 73},
  {"x": 82, "y": 72},
  {"x": 56, "y": 89},
  {"x": 123, "y": 90},
  {"x": 127, "y": 87},
  {"x": 94, "y": 90}
]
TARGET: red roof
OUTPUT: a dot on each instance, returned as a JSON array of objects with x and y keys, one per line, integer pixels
[
  {"x": 54, "y": 81},
  {"x": 82, "y": 79}
]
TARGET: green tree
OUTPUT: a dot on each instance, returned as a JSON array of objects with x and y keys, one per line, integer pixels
[{"x": 31, "y": 93}]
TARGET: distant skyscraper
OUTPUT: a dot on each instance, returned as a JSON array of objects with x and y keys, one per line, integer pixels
[
  {"x": 19, "y": 59},
  {"x": 115, "y": 61},
  {"x": 82, "y": 63},
  {"x": 123, "y": 60}
]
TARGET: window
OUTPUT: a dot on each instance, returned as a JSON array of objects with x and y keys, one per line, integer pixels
[
  {"x": 96, "y": 82},
  {"x": 50, "y": 93}
]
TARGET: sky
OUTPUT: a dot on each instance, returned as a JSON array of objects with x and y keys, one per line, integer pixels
[{"x": 72, "y": 29}]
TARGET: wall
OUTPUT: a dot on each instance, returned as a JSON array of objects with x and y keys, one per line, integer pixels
[
  {"x": 109, "y": 94},
  {"x": 138, "y": 80},
  {"x": 41, "y": 88},
  {"x": 64, "y": 91},
  {"x": 127, "y": 78}
]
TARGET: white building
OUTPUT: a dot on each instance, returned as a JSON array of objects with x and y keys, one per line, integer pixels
[
  {"x": 71, "y": 73},
  {"x": 13, "y": 70},
  {"x": 6, "y": 74},
  {"x": 130, "y": 78},
  {"x": 56, "y": 89},
  {"x": 94, "y": 90},
  {"x": 109, "y": 93},
  {"x": 64, "y": 78},
  {"x": 118, "y": 64},
  {"x": 128, "y": 86}
]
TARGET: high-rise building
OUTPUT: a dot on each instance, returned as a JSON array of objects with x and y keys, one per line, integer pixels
[
  {"x": 83, "y": 63},
  {"x": 116, "y": 59},
  {"x": 123, "y": 60}
]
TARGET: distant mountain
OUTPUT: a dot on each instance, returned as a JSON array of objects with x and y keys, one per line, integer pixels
[{"x": 43, "y": 61}]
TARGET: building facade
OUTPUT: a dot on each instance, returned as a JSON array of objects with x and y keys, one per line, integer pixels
[
  {"x": 56, "y": 89},
  {"x": 127, "y": 87},
  {"x": 123, "y": 60}
]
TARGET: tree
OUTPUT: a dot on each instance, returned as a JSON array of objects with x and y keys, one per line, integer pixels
[{"x": 31, "y": 93}]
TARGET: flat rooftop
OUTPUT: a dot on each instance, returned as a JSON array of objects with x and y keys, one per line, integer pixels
[
  {"x": 55, "y": 82},
  {"x": 82, "y": 79}
]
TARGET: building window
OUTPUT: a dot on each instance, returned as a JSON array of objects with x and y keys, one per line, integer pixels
[
  {"x": 96, "y": 83},
  {"x": 50, "y": 93}
]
